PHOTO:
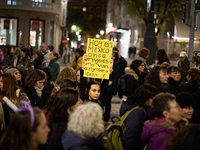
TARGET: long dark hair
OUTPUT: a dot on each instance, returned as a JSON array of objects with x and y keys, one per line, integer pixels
[
  {"x": 142, "y": 94},
  {"x": 64, "y": 99},
  {"x": 10, "y": 85},
  {"x": 162, "y": 57},
  {"x": 153, "y": 76},
  {"x": 135, "y": 64}
]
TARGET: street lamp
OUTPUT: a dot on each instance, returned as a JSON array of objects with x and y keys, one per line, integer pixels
[
  {"x": 97, "y": 36},
  {"x": 168, "y": 35},
  {"x": 102, "y": 33},
  {"x": 77, "y": 33},
  {"x": 73, "y": 27}
]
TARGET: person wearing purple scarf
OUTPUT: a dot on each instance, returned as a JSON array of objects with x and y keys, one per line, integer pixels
[
  {"x": 4, "y": 62},
  {"x": 158, "y": 77}
]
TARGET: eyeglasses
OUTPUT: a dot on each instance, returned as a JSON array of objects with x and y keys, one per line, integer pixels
[
  {"x": 142, "y": 65},
  {"x": 175, "y": 106}
]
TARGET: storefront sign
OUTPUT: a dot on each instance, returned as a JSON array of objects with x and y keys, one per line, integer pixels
[
  {"x": 35, "y": 25},
  {"x": 6, "y": 24},
  {"x": 99, "y": 54}
]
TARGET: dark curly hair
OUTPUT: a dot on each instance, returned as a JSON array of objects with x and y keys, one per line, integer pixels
[{"x": 153, "y": 76}]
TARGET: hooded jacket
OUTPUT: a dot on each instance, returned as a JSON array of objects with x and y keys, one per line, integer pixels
[
  {"x": 72, "y": 142},
  {"x": 133, "y": 80},
  {"x": 134, "y": 122},
  {"x": 156, "y": 136}
]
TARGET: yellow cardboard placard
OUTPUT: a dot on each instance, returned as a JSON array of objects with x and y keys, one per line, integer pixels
[{"x": 99, "y": 54}]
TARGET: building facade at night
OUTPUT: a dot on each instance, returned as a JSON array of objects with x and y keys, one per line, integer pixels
[
  {"x": 170, "y": 36},
  {"x": 90, "y": 8},
  {"x": 32, "y": 22}
]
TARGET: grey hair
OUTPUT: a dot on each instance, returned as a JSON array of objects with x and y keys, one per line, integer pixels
[
  {"x": 86, "y": 120},
  {"x": 161, "y": 103}
]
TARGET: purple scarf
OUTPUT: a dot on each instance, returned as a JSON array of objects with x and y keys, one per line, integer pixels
[
  {"x": 50, "y": 63},
  {"x": 1, "y": 59},
  {"x": 164, "y": 86}
]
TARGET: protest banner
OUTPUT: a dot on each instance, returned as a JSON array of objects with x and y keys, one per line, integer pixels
[{"x": 99, "y": 54}]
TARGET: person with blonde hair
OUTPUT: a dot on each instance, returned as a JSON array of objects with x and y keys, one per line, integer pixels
[
  {"x": 84, "y": 127},
  {"x": 67, "y": 72}
]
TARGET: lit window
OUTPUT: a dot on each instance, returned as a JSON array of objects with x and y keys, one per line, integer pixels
[
  {"x": 8, "y": 31},
  {"x": 8, "y": 2},
  {"x": 36, "y": 33},
  {"x": 84, "y": 8}
]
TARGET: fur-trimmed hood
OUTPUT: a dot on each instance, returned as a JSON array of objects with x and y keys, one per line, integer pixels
[{"x": 131, "y": 72}]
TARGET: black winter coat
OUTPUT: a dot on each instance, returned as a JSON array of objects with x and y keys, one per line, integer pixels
[
  {"x": 192, "y": 88},
  {"x": 173, "y": 84},
  {"x": 122, "y": 65},
  {"x": 34, "y": 98}
]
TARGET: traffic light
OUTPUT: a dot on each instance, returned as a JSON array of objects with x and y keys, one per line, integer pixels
[{"x": 185, "y": 11}]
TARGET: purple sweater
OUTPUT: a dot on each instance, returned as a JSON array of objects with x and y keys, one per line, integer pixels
[{"x": 156, "y": 136}]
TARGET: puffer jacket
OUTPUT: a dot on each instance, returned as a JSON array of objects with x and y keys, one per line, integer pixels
[{"x": 156, "y": 136}]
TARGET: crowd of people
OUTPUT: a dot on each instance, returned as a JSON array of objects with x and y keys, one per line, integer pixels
[{"x": 65, "y": 110}]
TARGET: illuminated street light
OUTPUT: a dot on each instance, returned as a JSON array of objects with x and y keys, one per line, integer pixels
[
  {"x": 97, "y": 36},
  {"x": 77, "y": 33},
  {"x": 74, "y": 27},
  {"x": 101, "y": 32}
]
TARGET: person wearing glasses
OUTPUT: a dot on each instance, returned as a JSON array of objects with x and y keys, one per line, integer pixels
[
  {"x": 157, "y": 132},
  {"x": 135, "y": 76}
]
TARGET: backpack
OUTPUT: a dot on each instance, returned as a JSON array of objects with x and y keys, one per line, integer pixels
[
  {"x": 122, "y": 85},
  {"x": 116, "y": 132}
]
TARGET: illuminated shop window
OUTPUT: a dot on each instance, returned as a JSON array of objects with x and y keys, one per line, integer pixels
[
  {"x": 36, "y": 33},
  {"x": 8, "y": 31}
]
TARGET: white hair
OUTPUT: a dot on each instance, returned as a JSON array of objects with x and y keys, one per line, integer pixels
[{"x": 86, "y": 120}]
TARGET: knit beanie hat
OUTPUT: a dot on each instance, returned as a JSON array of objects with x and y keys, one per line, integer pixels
[
  {"x": 185, "y": 99},
  {"x": 11, "y": 70}
]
